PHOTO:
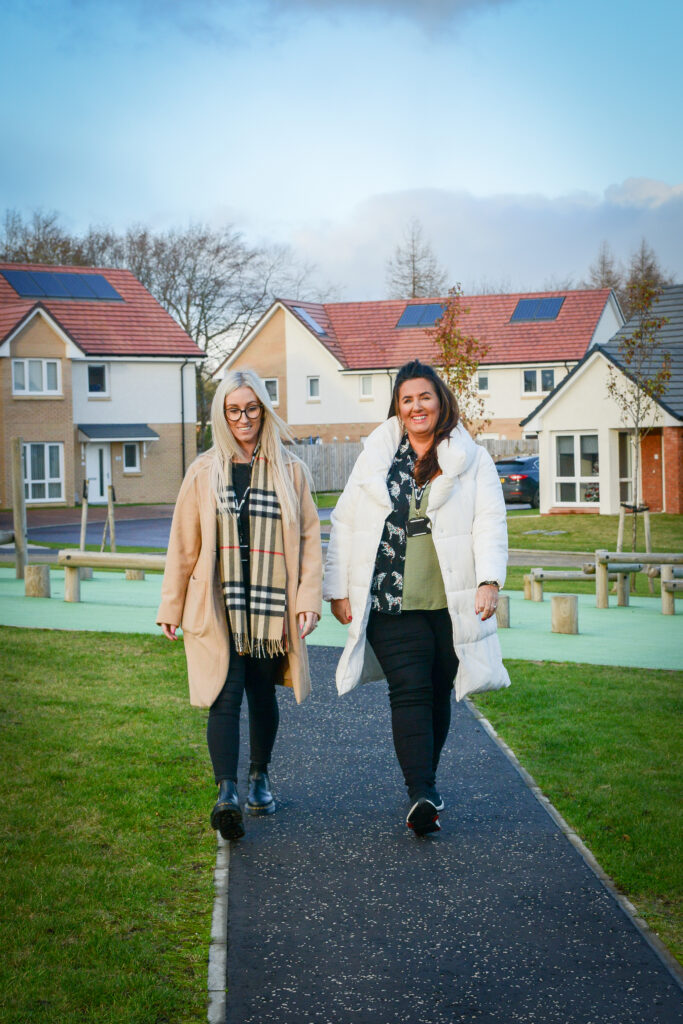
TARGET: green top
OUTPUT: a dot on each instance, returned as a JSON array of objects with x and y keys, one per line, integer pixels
[{"x": 423, "y": 588}]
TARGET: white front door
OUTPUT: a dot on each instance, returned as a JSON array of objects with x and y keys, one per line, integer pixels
[{"x": 98, "y": 471}]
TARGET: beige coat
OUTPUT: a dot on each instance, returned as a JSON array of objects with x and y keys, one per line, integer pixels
[{"x": 191, "y": 590}]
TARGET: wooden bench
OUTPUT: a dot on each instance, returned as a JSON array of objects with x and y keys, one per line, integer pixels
[
  {"x": 609, "y": 561},
  {"x": 538, "y": 576},
  {"x": 73, "y": 559}
]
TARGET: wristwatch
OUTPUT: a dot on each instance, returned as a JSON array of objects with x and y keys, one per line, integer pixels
[{"x": 489, "y": 583}]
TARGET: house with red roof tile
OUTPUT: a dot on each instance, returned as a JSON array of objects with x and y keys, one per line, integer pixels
[
  {"x": 330, "y": 367},
  {"x": 98, "y": 381}
]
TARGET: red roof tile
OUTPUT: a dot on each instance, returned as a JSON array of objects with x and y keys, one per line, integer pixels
[
  {"x": 138, "y": 326},
  {"x": 363, "y": 335}
]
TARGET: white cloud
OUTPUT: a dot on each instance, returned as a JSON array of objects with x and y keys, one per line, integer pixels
[{"x": 522, "y": 241}]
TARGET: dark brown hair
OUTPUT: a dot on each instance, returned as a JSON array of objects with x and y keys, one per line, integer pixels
[{"x": 427, "y": 466}]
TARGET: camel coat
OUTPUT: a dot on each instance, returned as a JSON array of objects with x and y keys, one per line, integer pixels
[{"x": 191, "y": 590}]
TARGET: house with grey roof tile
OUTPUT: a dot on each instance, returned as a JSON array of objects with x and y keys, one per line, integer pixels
[{"x": 585, "y": 448}]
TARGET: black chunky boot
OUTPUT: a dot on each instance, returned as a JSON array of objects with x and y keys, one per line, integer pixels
[
  {"x": 226, "y": 815},
  {"x": 259, "y": 798}
]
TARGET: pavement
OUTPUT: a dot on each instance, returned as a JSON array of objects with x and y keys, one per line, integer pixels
[{"x": 338, "y": 914}]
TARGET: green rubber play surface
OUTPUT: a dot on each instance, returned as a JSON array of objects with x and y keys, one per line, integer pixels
[{"x": 638, "y": 636}]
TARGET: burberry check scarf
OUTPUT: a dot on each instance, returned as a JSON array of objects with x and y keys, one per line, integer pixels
[{"x": 258, "y": 629}]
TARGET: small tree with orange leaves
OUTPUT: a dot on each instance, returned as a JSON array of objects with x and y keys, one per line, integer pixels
[{"x": 458, "y": 358}]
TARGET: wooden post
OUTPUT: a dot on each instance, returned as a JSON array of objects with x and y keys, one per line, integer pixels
[
  {"x": 601, "y": 582},
  {"x": 37, "y": 581},
  {"x": 668, "y": 597},
  {"x": 536, "y": 589},
  {"x": 72, "y": 584},
  {"x": 648, "y": 548},
  {"x": 110, "y": 516},
  {"x": 623, "y": 588},
  {"x": 135, "y": 574},
  {"x": 503, "y": 612},
  {"x": 18, "y": 509},
  {"x": 527, "y": 587},
  {"x": 86, "y": 571},
  {"x": 564, "y": 613}
]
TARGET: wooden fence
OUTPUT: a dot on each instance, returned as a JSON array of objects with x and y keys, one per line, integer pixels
[{"x": 331, "y": 464}]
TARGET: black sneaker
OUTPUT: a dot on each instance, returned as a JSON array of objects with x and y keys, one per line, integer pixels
[
  {"x": 437, "y": 800},
  {"x": 423, "y": 817}
]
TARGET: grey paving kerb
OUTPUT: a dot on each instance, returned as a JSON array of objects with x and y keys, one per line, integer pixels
[{"x": 338, "y": 914}]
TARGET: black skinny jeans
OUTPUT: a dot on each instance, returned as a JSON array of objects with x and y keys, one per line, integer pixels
[
  {"x": 257, "y": 677},
  {"x": 415, "y": 650}
]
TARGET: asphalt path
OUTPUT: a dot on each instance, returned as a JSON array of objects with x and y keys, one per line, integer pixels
[{"x": 338, "y": 914}]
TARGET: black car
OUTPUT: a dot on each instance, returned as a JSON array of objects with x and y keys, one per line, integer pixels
[{"x": 519, "y": 477}]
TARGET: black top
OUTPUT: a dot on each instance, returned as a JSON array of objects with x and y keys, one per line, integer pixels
[
  {"x": 241, "y": 478},
  {"x": 387, "y": 580}
]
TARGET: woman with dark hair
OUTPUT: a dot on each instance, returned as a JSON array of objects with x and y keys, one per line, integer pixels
[{"x": 417, "y": 555}]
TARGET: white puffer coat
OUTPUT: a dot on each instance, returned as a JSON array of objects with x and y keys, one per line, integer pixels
[{"x": 467, "y": 512}]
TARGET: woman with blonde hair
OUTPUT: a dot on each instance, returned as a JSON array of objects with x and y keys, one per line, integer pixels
[{"x": 243, "y": 577}]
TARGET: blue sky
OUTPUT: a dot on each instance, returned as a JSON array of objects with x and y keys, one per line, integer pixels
[{"x": 520, "y": 132}]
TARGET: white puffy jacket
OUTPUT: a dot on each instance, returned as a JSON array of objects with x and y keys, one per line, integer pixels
[{"x": 467, "y": 512}]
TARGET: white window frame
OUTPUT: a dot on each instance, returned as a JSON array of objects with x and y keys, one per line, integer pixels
[
  {"x": 310, "y": 397},
  {"x": 273, "y": 380},
  {"x": 30, "y": 483},
  {"x": 534, "y": 370},
  {"x": 136, "y": 467},
  {"x": 577, "y": 479},
  {"x": 26, "y": 391},
  {"x": 98, "y": 394},
  {"x": 547, "y": 369},
  {"x": 368, "y": 395},
  {"x": 483, "y": 375}
]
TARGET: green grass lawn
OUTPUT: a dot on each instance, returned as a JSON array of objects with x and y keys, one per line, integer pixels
[
  {"x": 589, "y": 532},
  {"x": 107, "y": 856},
  {"x": 604, "y": 744}
]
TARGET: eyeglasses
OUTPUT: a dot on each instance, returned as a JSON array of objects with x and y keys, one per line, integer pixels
[{"x": 252, "y": 412}]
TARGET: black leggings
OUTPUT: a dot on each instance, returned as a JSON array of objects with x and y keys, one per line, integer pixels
[
  {"x": 415, "y": 650},
  {"x": 257, "y": 676}
]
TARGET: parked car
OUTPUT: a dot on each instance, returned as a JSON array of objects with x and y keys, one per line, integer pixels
[{"x": 519, "y": 477}]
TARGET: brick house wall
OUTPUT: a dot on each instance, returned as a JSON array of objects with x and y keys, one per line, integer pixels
[
  {"x": 267, "y": 355},
  {"x": 672, "y": 444}
]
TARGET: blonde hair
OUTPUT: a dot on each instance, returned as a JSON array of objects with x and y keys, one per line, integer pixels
[{"x": 273, "y": 431}]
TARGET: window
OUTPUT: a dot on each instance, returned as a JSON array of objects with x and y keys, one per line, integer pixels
[
  {"x": 43, "y": 472},
  {"x": 528, "y": 310},
  {"x": 366, "y": 385},
  {"x": 576, "y": 469},
  {"x": 313, "y": 384},
  {"x": 530, "y": 382},
  {"x": 310, "y": 320},
  {"x": 36, "y": 377},
  {"x": 272, "y": 389},
  {"x": 625, "y": 470},
  {"x": 131, "y": 457},
  {"x": 547, "y": 380},
  {"x": 483, "y": 382},
  {"x": 97, "y": 379}
]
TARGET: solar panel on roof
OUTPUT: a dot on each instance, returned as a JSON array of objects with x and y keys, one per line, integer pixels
[
  {"x": 311, "y": 321},
  {"x": 549, "y": 308},
  {"x": 420, "y": 314},
  {"x": 23, "y": 283},
  {"x": 52, "y": 284},
  {"x": 537, "y": 309}
]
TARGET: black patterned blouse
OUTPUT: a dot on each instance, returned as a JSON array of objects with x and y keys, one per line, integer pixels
[{"x": 387, "y": 581}]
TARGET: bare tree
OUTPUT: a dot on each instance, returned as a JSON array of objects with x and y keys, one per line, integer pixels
[
  {"x": 646, "y": 370},
  {"x": 413, "y": 271},
  {"x": 605, "y": 272},
  {"x": 41, "y": 239},
  {"x": 458, "y": 358},
  {"x": 644, "y": 272}
]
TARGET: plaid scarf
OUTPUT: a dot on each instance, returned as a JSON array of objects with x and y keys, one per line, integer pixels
[{"x": 258, "y": 629}]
